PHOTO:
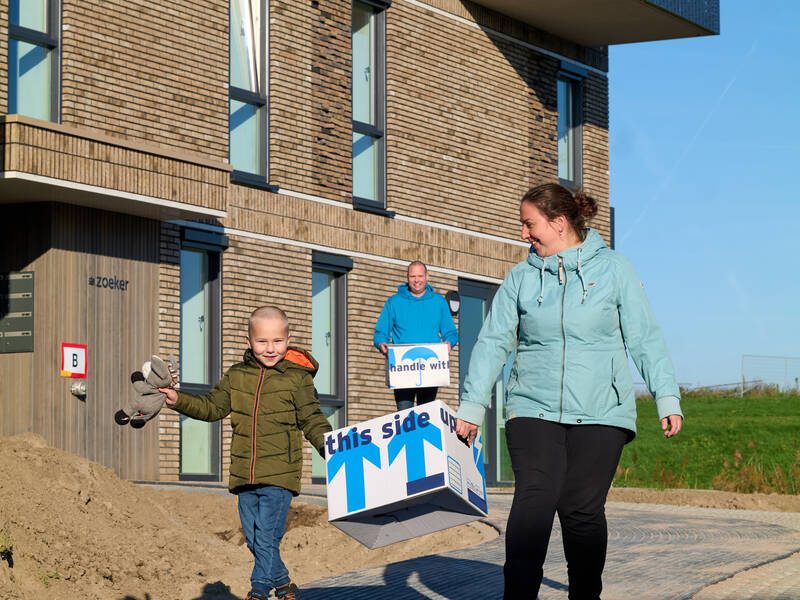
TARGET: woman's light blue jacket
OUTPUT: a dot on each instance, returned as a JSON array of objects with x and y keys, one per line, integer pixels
[{"x": 569, "y": 317}]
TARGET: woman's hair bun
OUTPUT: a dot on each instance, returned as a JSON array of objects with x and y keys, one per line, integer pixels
[{"x": 586, "y": 204}]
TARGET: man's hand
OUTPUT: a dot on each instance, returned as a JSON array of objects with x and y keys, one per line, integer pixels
[
  {"x": 171, "y": 395},
  {"x": 384, "y": 348},
  {"x": 449, "y": 347}
]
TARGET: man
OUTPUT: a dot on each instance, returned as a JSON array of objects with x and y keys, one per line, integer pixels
[{"x": 415, "y": 315}]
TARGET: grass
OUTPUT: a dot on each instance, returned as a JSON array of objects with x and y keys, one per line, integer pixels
[{"x": 749, "y": 444}]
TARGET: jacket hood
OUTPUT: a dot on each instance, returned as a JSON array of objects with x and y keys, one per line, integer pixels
[
  {"x": 572, "y": 258},
  {"x": 404, "y": 291},
  {"x": 296, "y": 358}
]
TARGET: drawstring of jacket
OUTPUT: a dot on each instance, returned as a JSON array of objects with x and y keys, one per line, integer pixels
[
  {"x": 580, "y": 276},
  {"x": 541, "y": 284}
]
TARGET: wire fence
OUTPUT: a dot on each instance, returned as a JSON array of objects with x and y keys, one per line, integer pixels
[
  {"x": 759, "y": 373},
  {"x": 782, "y": 372}
]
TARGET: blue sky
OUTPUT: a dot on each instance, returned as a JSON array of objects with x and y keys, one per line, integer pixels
[{"x": 705, "y": 155}]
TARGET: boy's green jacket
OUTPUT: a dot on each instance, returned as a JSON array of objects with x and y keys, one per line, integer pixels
[{"x": 268, "y": 408}]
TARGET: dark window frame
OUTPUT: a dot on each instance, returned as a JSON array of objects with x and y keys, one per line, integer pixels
[
  {"x": 339, "y": 266},
  {"x": 377, "y": 131},
  {"x": 574, "y": 77},
  {"x": 51, "y": 40},
  {"x": 260, "y": 101},
  {"x": 213, "y": 244}
]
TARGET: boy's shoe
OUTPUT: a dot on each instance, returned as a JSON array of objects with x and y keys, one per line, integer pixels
[
  {"x": 286, "y": 592},
  {"x": 257, "y": 595}
]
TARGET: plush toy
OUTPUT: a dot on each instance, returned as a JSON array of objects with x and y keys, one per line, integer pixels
[{"x": 148, "y": 401}]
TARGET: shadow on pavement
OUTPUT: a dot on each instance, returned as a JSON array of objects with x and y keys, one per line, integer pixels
[{"x": 451, "y": 578}]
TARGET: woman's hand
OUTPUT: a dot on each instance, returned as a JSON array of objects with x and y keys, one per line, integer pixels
[
  {"x": 466, "y": 430},
  {"x": 671, "y": 424}
]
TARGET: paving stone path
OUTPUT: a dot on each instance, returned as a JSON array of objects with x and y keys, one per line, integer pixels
[{"x": 656, "y": 552}]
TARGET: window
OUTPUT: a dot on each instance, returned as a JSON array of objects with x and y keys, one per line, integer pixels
[
  {"x": 570, "y": 118},
  {"x": 329, "y": 340},
  {"x": 33, "y": 59},
  {"x": 247, "y": 118},
  {"x": 368, "y": 106},
  {"x": 476, "y": 298},
  {"x": 200, "y": 365}
]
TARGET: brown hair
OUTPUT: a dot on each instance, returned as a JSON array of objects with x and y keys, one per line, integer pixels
[{"x": 555, "y": 200}]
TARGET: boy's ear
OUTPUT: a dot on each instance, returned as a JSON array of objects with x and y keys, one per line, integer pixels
[{"x": 249, "y": 345}]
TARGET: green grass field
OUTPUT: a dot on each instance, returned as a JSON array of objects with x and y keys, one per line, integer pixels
[{"x": 749, "y": 444}]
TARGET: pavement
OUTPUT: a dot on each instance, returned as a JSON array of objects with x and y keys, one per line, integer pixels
[{"x": 655, "y": 551}]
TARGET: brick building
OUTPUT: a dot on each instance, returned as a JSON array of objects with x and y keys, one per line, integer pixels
[{"x": 167, "y": 167}]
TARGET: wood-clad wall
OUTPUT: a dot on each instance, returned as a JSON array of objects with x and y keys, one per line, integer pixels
[{"x": 65, "y": 246}]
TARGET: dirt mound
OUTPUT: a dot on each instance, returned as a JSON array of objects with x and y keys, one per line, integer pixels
[
  {"x": 70, "y": 528},
  {"x": 708, "y": 499}
]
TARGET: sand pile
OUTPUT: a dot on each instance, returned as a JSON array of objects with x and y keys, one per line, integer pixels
[{"x": 70, "y": 528}]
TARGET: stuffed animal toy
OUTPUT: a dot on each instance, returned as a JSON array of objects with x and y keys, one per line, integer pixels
[{"x": 148, "y": 401}]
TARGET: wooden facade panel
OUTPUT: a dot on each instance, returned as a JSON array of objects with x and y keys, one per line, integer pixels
[{"x": 119, "y": 327}]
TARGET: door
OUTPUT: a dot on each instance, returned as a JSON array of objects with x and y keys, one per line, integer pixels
[{"x": 476, "y": 298}]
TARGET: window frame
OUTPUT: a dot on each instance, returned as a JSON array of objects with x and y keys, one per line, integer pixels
[
  {"x": 214, "y": 244},
  {"x": 574, "y": 80},
  {"x": 376, "y": 131},
  {"x": 339, "y": 266},
  {"x": 259, "y": 100},
  {"x": 51, "y": 40}
]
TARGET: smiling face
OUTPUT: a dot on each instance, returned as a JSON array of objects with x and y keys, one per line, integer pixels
[
  {"x": 417, "y": 279},
  {"x": 540, "y": 232},
  {"x": 269, "y": 340}
]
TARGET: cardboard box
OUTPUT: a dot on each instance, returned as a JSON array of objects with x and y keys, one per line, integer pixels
[
  {"x": 417, "y": 365},
  {"x": 403, "y": 475}
]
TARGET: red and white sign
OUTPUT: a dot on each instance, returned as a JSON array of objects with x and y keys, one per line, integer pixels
[{"x": 73, "y": 360}]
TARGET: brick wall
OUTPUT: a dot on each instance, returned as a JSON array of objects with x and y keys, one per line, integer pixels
[
  {"x": 147, "y": 70},
  {"x": 472, "y": 121},
  {"x": 310, "y": 117},
  {"x": 169, "y": 333},
  {"x": 3, "y": 56}
]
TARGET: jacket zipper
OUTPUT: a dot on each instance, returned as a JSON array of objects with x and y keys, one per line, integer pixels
[
  {"x": 256, "y": 400},
  {"x": 562, "y": 281},
  {"x": 289, "y": 453}
]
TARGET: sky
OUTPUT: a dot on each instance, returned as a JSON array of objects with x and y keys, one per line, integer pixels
[{"x": 705, "y": 156}]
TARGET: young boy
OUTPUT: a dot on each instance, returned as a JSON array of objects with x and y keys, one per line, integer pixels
[{"x": 270, "y": 396}]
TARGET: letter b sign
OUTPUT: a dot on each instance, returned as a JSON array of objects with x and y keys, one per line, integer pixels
[{"x": 74, "y": 360}]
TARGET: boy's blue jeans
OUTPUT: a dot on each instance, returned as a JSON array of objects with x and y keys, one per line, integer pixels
[{"x": 263, "y": 513}]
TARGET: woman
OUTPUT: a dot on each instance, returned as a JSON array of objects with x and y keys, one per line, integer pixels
[{"x": 569, "y": 311}]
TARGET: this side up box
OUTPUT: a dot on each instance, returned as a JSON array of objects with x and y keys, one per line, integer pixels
[
  {"x": 417, "y": 365},
  {"x": 403, "y": 475}
]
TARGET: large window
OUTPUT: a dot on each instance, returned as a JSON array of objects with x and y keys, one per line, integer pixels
[
  {"x": 200, "y": 366},
  {"x": 247, "y": 120},
  {"x": 570, "y": 118},
  {"x": 329, "y": 340},
  {"x": 368, "y": 106},
  {"x": 33, "y": 59}
]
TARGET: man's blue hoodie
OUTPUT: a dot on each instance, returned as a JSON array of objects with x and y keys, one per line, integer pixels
[{"x": 408, "y": 319}]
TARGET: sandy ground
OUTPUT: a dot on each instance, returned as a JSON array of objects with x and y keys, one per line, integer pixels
[{"x": 70, "y": 528}]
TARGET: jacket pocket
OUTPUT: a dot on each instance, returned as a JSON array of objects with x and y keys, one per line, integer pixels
[{"x": 621, "y": 379}]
